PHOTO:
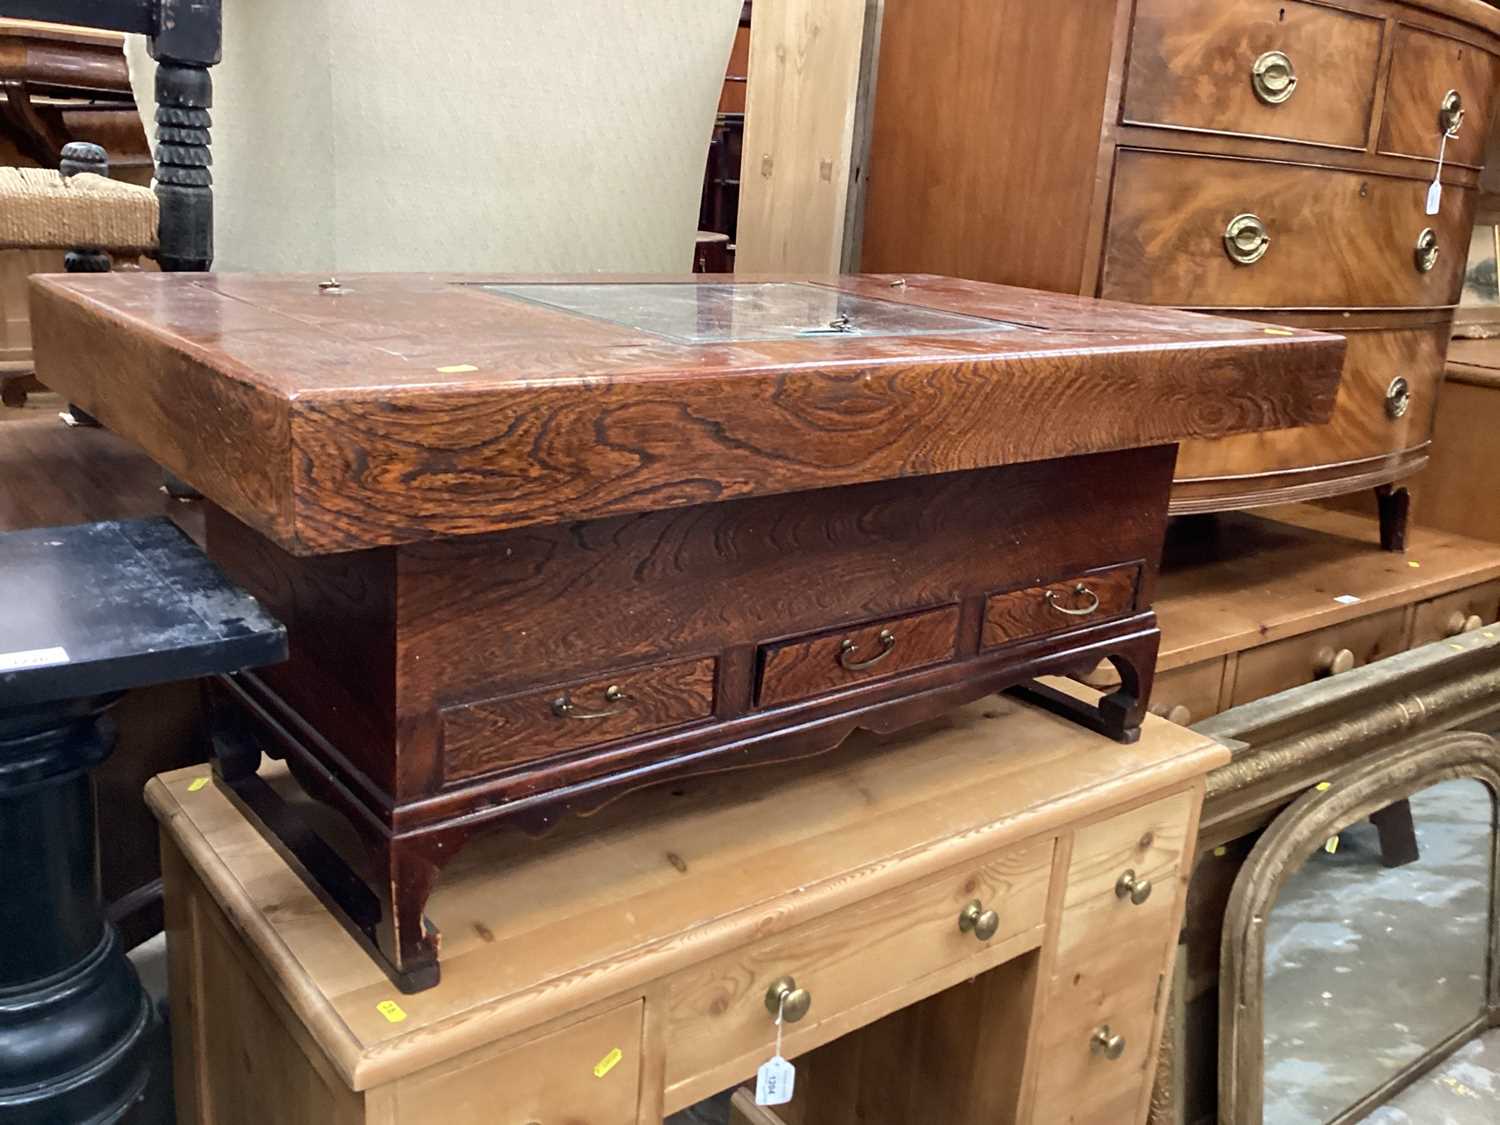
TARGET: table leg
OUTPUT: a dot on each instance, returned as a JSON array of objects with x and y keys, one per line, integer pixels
[{"x": 74, "y": 1019}]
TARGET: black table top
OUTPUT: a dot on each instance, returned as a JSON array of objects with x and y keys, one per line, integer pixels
[{"x": 104, "y": 607}]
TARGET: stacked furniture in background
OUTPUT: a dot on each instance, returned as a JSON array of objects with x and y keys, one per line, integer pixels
[{"x": 1267, "y": 156}]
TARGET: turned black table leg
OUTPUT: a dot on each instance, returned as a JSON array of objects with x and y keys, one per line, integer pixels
[
  {"x": 110, "y": 607},
  {"x": 1395, "y": 510},
  {"x": 74, "y": 1019},
  {"x": 1398, "y": 834}
]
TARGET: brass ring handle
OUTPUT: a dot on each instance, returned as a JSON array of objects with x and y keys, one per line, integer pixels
[
  {"x": 1273, "y": 77},
  {"x": 1080, "y": 590},
  {"x": 1451, "y": 113},
  {"x": 784, "y": 998},
  {"x": 1397, "y": 398},
  {"x": 847, "y": 650},
  {"x": 1107, "y": 1043},
  {"x": 1427, "y": 250},
  {"x": 564, "y": 708},
  {"x": 1137, "y": 888},
  {"x": 974, "y": 918},
  {"x": 1246, "y": 239}
]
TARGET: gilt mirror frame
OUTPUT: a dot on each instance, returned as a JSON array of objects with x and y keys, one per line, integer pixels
[{"x": 1282, "y": 849}]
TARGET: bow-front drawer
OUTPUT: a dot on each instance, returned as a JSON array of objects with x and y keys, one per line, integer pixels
[
  {"x": 1284, "y": 69},
  {"x": 809, "y": 666},
  {"x": 484, "y": 736},
  {"x": 1066, "y": 604},
  {"x": 1204, "y": 232},
  {"x": 850, "y": 967},
  {"x": 1437, "y": 84}
]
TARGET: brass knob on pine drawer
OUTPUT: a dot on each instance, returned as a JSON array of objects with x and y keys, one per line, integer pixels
[
  {"x": 1334, "y": 663},
  {"x": 1451, "y": 113},
  {"x": 1135, "y": 887},
  {"x": 784, "y": 998},
  {"x": 984, "y": 924},
  {"x": 1457, "y": 624},
  {"x": 1107, "y": 1043},
  {"x": 1173, "y": 713},
  {"x": 1426, "y": 253},
  {"x": 1397, "y": 398},
  {"x": 1246, "y": 239},
  {"x": 1273, "y": 78}
]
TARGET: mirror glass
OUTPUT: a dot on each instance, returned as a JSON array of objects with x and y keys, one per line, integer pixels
[{"x": 1376, "y": 951}]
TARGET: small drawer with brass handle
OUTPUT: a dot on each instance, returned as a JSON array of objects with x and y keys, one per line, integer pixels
[
  {"x": 1425, "y": 254},
  {"x": 719, "y": 1014},
  {"x": 483, "y": 736},
  {"x": 1106, "y": 1043},
  {"x": 1258, "y": 234},
  {"x": 1036, "y": 610},
  {"x": 814, "y": 665},
  {"x": 1453, "y": 615},
  {"x": 1246, "y": 239},
  {"x": 1308, "y": 75},
  {"x": 1437, "y": 85},
  {"x": 1330, "y": 651}
]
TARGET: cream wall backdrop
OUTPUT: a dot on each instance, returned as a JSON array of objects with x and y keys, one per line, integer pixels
[{"x": 514, "y": 135}]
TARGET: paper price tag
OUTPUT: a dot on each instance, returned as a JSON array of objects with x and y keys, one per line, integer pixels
[
  {"x": 1434, "y": 196},
  {"x": 774, "y": 1082}
]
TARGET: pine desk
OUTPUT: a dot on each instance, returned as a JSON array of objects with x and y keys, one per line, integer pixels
[{"x": 618, "y": 971}]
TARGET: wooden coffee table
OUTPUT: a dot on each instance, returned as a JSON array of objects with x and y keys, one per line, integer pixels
[{"x": 541, "y": 542}]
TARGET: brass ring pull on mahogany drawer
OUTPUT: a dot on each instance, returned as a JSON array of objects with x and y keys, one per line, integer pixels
[
  {"x": 1057, "y": 606},
  {"x": 1273, "y": 77},
  {"x": 615, "y": 697},
  {"x": 813, "y": 665}
]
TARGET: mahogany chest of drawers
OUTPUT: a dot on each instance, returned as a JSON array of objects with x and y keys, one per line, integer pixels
[
  {"x": 1270, "y": 157},
  {"x": 537, "y": 544}
]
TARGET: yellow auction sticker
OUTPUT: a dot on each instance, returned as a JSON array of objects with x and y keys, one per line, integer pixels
[
  {"x": 391, "y": 1010},
  {"x": 196, "y": 784},
  {"x": 457, "y": 369},
  {"x": 608, "y": 1062}
]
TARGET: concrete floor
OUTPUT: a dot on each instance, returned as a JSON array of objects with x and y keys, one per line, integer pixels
[
  {"x": 1368, "y": 967},
  {"x": 1465, "y": 1090}
]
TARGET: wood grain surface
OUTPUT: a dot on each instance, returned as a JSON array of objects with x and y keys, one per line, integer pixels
[
  {"x": 1007, "y": 130},
  {"x": 1033, "y": 610},
  {"x": 801, "y": 668},
  {"x": 1191, "y": 61},
  {"x": 1424, "y": 67},
  {"x": 1382, "y": 347},
  {"x": 1338, "y": 239},
  {"x": 479, "y": 737},
  {"x": 410, "y": 408}
]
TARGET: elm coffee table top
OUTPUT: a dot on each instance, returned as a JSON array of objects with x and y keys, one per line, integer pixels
[{"x": 399, "y": 408}]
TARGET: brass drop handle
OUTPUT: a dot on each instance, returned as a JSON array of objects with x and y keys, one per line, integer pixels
[
  {"x": 1331, "y": 663},
  {"x": 1458, "y": 623},
  {"x": 1079, "y": 591},
  {"x": 1246, "y": 239},
  {"x": 1426, "y": 252},
  {"x": 1397, "y": 398},
  {"x": 1137, "y": 888},
  {"x": 847, "y": 650},
  {"x": 797, "y": 1000},
  {"x": 1175, "y": 713},
  {"x": 1273, "y": 77},
  {"x": 1451, "y": 113},
  {"x": 975, "y": 919},
  {"x": 1105, "y": 1042},
  {"x": 563, "y": 706}
]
